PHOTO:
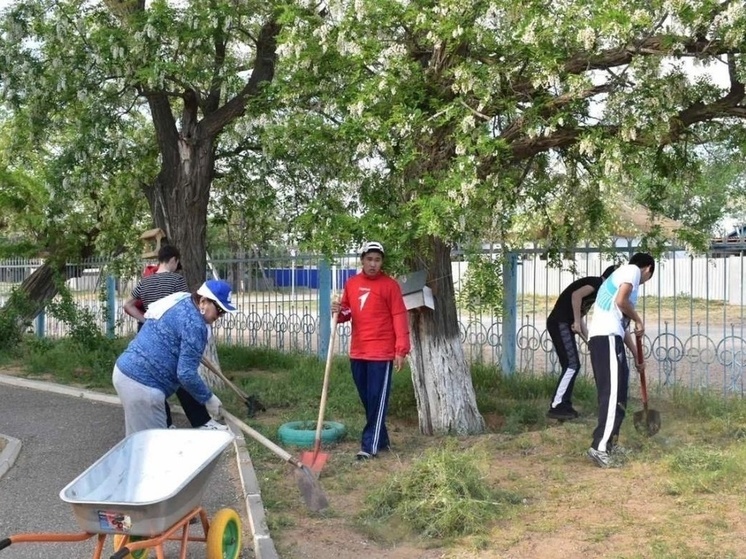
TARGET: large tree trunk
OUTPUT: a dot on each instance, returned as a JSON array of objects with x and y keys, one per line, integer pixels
[
  {"x": 446, "y": 402},
  {"x": 179, "y": 196},
  {"x": 40, "y": 287}
]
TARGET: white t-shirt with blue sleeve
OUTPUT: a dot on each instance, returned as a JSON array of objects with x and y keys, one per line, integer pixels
[{"x": 606, "y": 317}]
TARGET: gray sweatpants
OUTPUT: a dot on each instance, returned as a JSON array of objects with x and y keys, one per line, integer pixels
[{"x": 144, "y": 407}]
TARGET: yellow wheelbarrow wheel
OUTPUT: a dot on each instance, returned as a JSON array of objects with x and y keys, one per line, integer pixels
[{"x": 224, "y": 535}]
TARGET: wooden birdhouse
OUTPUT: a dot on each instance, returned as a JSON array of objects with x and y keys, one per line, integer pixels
[
  {"x": 416, "y": 294},
  {"x": 154, "y": 237}
]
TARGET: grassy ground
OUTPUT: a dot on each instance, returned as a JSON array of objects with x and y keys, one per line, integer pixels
[{"x": 523, "y": 489}]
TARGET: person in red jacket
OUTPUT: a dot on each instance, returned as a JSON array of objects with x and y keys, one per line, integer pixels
[{"x": 380, "y": 341}]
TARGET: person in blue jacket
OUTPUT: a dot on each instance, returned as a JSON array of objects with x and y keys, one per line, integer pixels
[{"x": 166, "y": 354}]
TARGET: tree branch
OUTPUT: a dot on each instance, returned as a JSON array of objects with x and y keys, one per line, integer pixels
[
  {"x": 165, "y": 128},
  {"x": 515, "y": 129},
  {"x": 656, "y": 45},
  {"x": 212, "y": 102},
  {"x": 263, "y": 72}
]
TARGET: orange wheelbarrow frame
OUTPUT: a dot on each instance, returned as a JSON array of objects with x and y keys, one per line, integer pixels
[{"x": 128, "y": 547}]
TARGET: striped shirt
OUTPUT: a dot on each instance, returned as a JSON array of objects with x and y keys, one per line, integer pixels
[{"x": 156, "y": 286}]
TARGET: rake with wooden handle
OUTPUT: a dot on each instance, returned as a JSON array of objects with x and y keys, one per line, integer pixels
[
  {"x": 252, "y": 402},
  {"x": 312, "y": 493}
]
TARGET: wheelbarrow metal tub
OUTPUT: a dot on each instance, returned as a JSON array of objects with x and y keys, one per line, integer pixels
[{"x": 147, "y": 482}]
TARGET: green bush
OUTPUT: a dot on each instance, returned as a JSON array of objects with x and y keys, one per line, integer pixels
[
  {"x": 13, "y": 322},
  {"x": 83, "y": 325}
]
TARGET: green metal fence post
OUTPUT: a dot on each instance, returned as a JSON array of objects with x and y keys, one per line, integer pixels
[
  {"x": 41, "y": 324},
  {"x": 510, "y": 312},
  {"x": 325, "y": 307}
]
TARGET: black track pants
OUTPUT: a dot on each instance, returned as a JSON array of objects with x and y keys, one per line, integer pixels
[{"x": 612, "y": 382}]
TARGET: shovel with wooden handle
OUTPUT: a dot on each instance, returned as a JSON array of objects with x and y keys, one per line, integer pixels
[
  {"x": 647, "y": 421},
  {"x": 316, "y": 459}
]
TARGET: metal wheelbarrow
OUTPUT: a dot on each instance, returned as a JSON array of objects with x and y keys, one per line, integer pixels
[{"x": 144, "y": 492}]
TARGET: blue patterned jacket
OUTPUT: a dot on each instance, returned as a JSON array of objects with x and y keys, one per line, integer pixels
[{"x": 166, "y": 352}]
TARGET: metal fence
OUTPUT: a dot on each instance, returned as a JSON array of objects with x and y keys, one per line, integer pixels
[{"x": 693, "y": 309}]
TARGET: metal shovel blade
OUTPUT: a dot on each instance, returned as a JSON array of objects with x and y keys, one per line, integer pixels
[
  {"x": 310, "y": 490},
  {"x": 647, "y": 422}
]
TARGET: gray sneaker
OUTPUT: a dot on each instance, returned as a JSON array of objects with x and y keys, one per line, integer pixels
[{"x": 601, "y": 459}]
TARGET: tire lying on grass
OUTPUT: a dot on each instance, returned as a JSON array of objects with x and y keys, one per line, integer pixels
[{"x": 303, "y": 433}]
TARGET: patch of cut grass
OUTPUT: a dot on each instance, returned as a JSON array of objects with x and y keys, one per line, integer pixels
[
  {"x": 698, "y": 469},
  {"x": 441, "y": 495}
]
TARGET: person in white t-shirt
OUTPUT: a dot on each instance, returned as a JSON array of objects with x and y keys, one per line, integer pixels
[{"x": 615, "y": 303}]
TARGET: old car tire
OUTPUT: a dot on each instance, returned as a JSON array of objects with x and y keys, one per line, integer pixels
[{"x": 303, "y": 433}]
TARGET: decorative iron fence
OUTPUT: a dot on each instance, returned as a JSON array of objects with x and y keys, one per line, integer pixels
[{"x": 693, "y": 309}]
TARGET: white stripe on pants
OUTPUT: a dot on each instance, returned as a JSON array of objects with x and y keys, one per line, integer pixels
[{"x": 144, "y": 407}]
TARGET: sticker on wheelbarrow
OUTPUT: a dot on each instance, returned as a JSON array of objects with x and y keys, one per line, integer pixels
[{"x": 114, "y": 521}]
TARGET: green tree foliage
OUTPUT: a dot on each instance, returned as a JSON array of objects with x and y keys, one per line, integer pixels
[
  {"x": 136, "y": 96},
  {"x": 435, "y": 124},
  {"x": 455, "y": 118}
]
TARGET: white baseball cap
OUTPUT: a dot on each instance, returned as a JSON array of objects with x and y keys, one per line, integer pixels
[{"x": 371, "y": 246}]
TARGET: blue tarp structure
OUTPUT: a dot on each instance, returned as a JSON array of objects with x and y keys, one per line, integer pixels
[{"x": 305, "y": 277}]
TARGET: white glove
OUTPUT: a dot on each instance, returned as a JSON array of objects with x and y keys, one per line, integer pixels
[{"x": 214, "y": 407}]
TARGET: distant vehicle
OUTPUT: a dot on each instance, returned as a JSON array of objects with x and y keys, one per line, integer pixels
[{"x": 733, "y": 244}]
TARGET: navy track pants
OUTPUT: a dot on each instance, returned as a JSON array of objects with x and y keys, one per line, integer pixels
[{"x": 373, "y": 382}]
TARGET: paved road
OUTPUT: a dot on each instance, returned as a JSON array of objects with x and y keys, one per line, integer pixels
[{"x": 61, "y": 437}]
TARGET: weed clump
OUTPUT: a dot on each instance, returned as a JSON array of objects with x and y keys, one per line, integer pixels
[{"x": 442, "y": 495}]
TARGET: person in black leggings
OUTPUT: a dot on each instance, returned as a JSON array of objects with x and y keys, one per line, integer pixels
[{"x": 566, "y": 320}]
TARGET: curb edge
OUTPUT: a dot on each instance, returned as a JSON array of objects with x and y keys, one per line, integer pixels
[{"x": 9, "y": 454}]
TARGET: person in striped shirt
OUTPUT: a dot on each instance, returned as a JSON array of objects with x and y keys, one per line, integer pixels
[
  {"x": 165, "y": 281},
  {"x": 373, "y": 301}
]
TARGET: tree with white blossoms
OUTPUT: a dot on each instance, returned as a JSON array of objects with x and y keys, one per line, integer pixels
[
  {"x": 436, "y": 124},
  {"x": 191, "y": 68}
]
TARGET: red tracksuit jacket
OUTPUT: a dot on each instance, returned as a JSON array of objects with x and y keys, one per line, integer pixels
[{"x": 380, "y": 328}]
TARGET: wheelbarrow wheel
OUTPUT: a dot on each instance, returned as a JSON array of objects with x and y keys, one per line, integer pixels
[
  {"x": 224, "y": 535},
  {"x": 138, "y": 553}
]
